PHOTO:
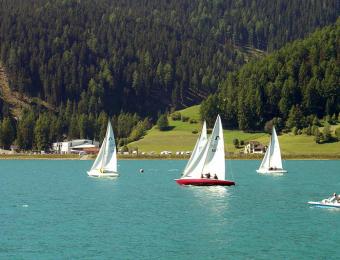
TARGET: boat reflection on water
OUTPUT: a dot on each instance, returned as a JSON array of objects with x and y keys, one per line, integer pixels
[
  {"x": 217, "y": 191},
  {"x": 215, "y": 198}
]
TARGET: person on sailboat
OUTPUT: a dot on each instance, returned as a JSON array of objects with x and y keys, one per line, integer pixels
[
  {"x": 208, "y": 175},
  {"x": 335, "y": 196},
  {"x": 215, "y": 177}
]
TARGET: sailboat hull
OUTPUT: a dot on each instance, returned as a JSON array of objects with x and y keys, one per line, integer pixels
[
  {"x": 266, "y": 171},
  {"x": 204, "y": 182},
  {"x": 98, "y": 174},
  {"x": 324, "y": 204}
]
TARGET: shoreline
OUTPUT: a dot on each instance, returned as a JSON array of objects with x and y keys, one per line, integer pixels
[{"x": 167, "y": 157}]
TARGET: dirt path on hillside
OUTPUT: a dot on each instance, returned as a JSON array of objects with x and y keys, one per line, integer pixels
[
  {"x": 15, "y": 104},
  {"x": 17, "y": 101}
]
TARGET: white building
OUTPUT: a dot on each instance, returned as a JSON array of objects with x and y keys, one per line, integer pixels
[
  {"x": 74, "y": 146},
  {"x": 166, "y": 153},
  {"x": 255, "y": 147}
]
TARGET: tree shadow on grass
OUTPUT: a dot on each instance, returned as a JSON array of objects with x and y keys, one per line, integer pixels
[
  {"x": 331, "y": 140},
  {"x": 168, "y": 128}
]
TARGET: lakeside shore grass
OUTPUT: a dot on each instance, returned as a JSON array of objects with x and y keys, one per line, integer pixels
[{"x": 180, "y": 137}]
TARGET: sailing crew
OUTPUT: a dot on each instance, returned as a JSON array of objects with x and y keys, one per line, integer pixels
[
  {"x": 208, "y": 175},
  {"x": 334, "y": 197},
  {"x": 215, "y": 177}
]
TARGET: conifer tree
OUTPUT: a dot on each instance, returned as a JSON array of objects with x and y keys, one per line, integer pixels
[
  {"x": 41, "y": 133},
  {"x": 7, "y": 133}
]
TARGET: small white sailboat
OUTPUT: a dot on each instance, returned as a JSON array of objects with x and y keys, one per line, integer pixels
[
  {"x": 206, "y": 166},
  {"x": 105, "y": 164},
  {"x": 331, "y": 202},
  {"x": 272, "y": 162}
]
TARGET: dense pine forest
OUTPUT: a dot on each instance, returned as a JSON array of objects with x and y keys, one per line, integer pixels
[
  {"x": 131, "y": 60},
  {"x": 294, "y": 86}
]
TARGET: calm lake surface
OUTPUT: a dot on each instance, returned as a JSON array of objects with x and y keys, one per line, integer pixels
[{"x": 52, "y": 210}]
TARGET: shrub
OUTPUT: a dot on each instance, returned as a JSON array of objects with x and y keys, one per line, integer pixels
[
  {"x": 327, "y": 133},
  {"x": 318, "y": 136},
  {"x": 337, "y": 133},
  {"x": 304, "y": 131},
  {"x": 195, "y": 131},
  {"x": 176, "y": 116},
  {"x": 138, "y": 131},
  {"x": 185, "y": 118},
  {"x": 125, "y": 148},
  {"x": 236, "y": 142},
  {"x": 295, "y": 130},
  {"x": 163, "y": 123},
  {"x": 241, "y": 142}
]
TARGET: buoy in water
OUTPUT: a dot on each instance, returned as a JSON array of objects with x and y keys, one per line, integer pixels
[{"x": 141, "y": 170}]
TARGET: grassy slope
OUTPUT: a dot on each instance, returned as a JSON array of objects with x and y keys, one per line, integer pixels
[{"x": 181, "y": 138}]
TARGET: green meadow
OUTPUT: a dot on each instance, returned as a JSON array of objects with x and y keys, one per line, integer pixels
[{"x": 180, "y": 137}]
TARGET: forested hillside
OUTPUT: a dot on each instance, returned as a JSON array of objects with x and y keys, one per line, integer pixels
[
  {"x": 141, "y": 56},
  {"x": 296, "y": 85},
  {"x": 79, "y": 63}
]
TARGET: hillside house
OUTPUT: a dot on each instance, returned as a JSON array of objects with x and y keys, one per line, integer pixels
[{"x": 255, "y": 147}]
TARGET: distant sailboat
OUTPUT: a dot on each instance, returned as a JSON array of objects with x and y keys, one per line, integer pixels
[
  {"x": 206, "y": 166},
  {"x": 272, "y": 162},
  {"x": 105, "y": 164}
]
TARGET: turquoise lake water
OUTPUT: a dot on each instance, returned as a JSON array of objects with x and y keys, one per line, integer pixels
[{"x": 52, "y": 210}]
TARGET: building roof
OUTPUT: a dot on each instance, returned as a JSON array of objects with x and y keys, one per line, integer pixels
[
  {"x": 259, "y": 146},
  {"x": 83, "y": 146}
]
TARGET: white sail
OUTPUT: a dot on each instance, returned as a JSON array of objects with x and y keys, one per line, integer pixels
[
  {"x": 107, "y": 157},
  {"x": 275, "y": 152},
  {"x": 193, "y": 168},
  {"x": 214, "y": 152},
  {"x": 272, "y": 159},
  {"x": 98, "y": 162},
  {"x": 265, "y": 161}
]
